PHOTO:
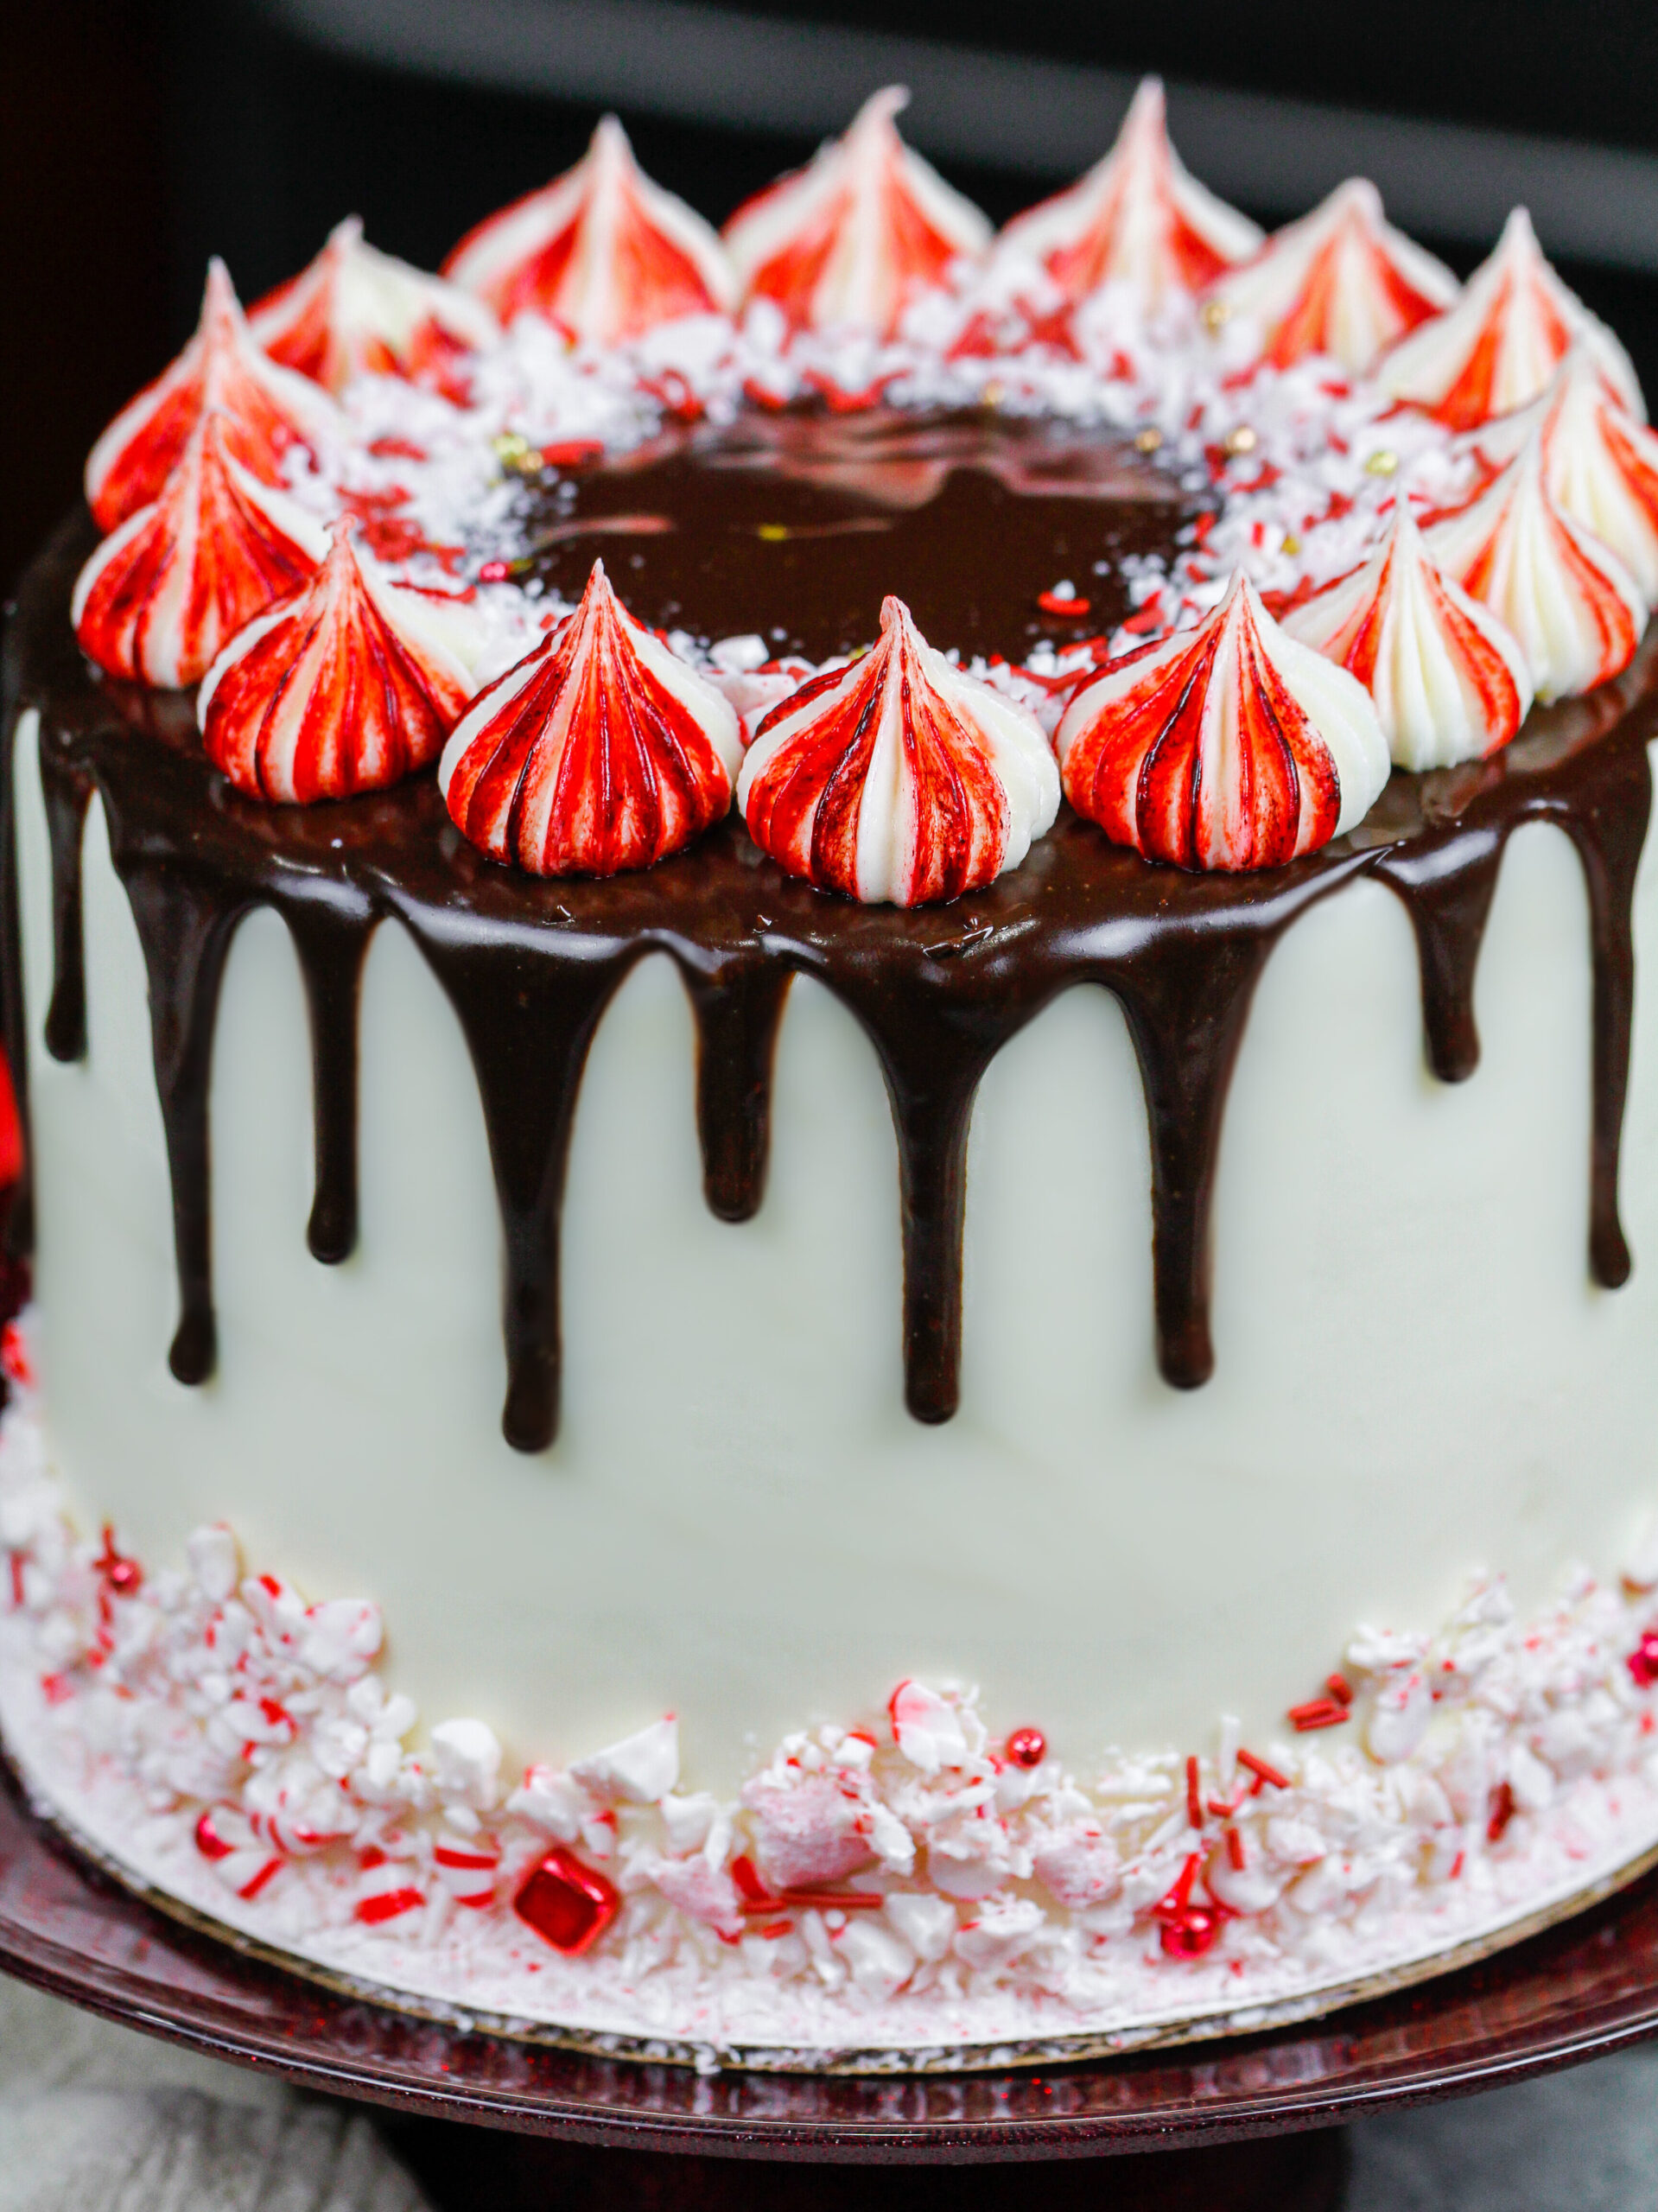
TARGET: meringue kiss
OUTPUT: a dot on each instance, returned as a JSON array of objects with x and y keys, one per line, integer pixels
[
  {"x": 266, "y": 409},
  {"x": 602, "y": 252},
  {"x": 1600, "y": 465},
  {"x": 1229, "y": 745},
  {"x": 1496, "y": 349},
  {"x": 1341, "y": 282},
  {"x": 1136, "y": 219},
  {"x": 600, "y": 751},
  {"x": 898, "y": 777},
  {"x": 1449, "y": 682},
  {"x": 345, "y": 685},
  {"x": 847, "y": 242},
  {"x": 162, "y": 595},
  {"x": 1575, "y": 608},
  {"x": 353, "y": 309}
]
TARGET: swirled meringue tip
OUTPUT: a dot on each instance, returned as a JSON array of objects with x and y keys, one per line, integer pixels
[
  {"x": 1341, "y": 282},
  {"x": 347, "y": 684},
  {"x": 165, "y": 592},
  {"x": 898, "y": 777},
  {"x": 354, "y": 309},
  {"x": 1137, "y": 218},
  {"x": 1600, "y": 464},
  {"x": 1229, "y": 745},
  {"x": 600, "y": 751},
  {"x": 847, "y": 242},
  {"x": 1449, "y": 682},
  {"x": 1497, "y": 347},
  {"x": 1574, "y": 608},
  {"x": 267, "y": 408},
  {"x": 602, "y": 252}
]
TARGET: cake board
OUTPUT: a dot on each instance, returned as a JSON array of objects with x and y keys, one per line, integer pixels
[{"x": 481, "y": 2117}]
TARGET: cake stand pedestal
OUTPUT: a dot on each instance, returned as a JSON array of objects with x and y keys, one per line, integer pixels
[{"x": 1237, "y": 2126}]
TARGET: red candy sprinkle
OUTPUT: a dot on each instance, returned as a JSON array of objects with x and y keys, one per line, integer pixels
[
  {"x": 1318, "y": 1713},
  {"x": 1340, "y": 1689},
  {"x": 121, "y": 1576},
  {"x": 1643, "y": 1662},
  {"x": 1053, "y": 602},
  {"x": 1503, "y": 1811},
  {"x": 1194, "y": 1794},
  {"x": 1262, "y": 1773},
  {"x": 1028, "y": 1747},
  {"x": 568, "y": 1904},
  {"x": 1188, "y": 1929}
]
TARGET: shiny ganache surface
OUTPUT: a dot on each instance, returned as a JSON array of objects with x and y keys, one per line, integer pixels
[
  {"x": 530, "y": 967},
  {"x": 795, "y": 524}
]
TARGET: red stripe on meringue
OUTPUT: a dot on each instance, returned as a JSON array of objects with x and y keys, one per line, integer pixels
[
  {"x": 582, "y": 760},
  {"x": 160, "y": 598},
  {"x": 327, "y": 694}
]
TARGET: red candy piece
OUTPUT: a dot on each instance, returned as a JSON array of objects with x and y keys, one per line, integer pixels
[
  {"x": 1188, "y": 1928},
  {"x": 568, "y": 1904},
  {"x": 1027, "y": 1747},
  {"x": 1643, "y": 1662},
  {"x": 121, "y": 1576}
]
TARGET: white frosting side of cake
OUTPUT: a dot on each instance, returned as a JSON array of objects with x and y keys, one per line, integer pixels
[{"x": 740, "y": 1522}]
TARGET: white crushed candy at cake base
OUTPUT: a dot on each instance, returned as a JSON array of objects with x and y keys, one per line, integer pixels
[{"x": 217, "y": 1739}]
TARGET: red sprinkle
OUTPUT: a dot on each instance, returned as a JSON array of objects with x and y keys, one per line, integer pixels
[
  {"x": 17, "y": 1578},
  {"x": 1053, "y": 602},
  {"x": 1150, "y": 617},
  {"x": 121, "y": 1576},
  {"x": 1262, "y": 1772},
  {"x": 1027, "y": 1747},
  {"x": 1318, "y": 1713},
  {"x": 571, "y": 453},
  {"x": 1235, "y": 1849},
  {"x": 1194, "y": 1794},
  {"x": 1503, "y": 1811},
  {"x": 1188, "y": 1929},
  {"x": 1643, "y": 1660},
  {"x": 1340, "y": 1689},
  {"x": 494, "y": 572}
]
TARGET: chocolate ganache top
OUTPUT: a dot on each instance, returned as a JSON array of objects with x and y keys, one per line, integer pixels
[{"x": 794, "y": 527}]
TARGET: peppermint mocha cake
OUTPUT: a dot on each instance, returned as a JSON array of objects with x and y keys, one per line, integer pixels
[{"x": 840, "y": 1045}]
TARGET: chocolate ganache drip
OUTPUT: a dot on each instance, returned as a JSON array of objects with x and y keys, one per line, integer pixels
[{"x": 530, "y": 967}]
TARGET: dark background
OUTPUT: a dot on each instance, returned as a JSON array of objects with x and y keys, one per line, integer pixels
[{"x": 138, "y": 135}]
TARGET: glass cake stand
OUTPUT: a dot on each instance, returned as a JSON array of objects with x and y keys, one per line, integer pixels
[{"x": 485, "y": 2118}]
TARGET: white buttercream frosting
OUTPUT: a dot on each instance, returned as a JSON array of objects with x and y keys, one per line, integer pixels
[
  {"x": 354, "y": 310},
  {"x": 1576, "y": 610},
  {"x": 602, "y": 250},
  {"x": 846, "y": 243},
  {"x": 1229, "y": 745},
  {"x": 898, "y": 777},
  {"x": 1137, "y": 220},
  {"x": 1600, "y": 463},
  {"x": 1450, "y": 682},
  {"x": 1496, "y": 349},
  {"x": 1341, "y": 281}
]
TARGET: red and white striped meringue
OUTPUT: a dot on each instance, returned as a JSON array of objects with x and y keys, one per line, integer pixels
[
  {"x": 1496, "y": 349},
  {"x": 847, "y": 242},
  {"x": 345, "y": 685},
  {"x": 600, "y": 751},
  {"x": 1341, "y": 282},
  {"x": 1575, "y": 608},
  {"x": 353, "y": 309},
  {"x": 1137, "y": 218},
  {"x": 1600, "y": 464},
  {"x": 267, "y": 410},
  {"x": 1229, "y": 745},
  {"x": 898, "y": 777},
  {"x": 602, "y": 252},
  {"x": 1449, "y": 682},
  {"x": 165, "y": 593}
]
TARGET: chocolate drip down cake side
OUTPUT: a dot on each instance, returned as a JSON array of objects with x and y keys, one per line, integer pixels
[{"x": 843, "y": 1117}]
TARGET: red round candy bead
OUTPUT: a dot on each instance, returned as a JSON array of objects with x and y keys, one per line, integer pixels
[
  {"x": 1643, "y": 1660},
  {"x": 1188, "y": 1935},
  {"x": 1027, "y": 1747}
]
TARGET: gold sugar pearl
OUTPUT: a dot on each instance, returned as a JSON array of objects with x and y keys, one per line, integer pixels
[
  {"x": 1292, "y": 546},
  {"x": 1242, "y": 440},
  {"x": 1148, "y": 440},
  {"x": 994, "y": 393},
  {"x": 1215, "y": 314},
  {"x": 1381, "y": 462}
]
